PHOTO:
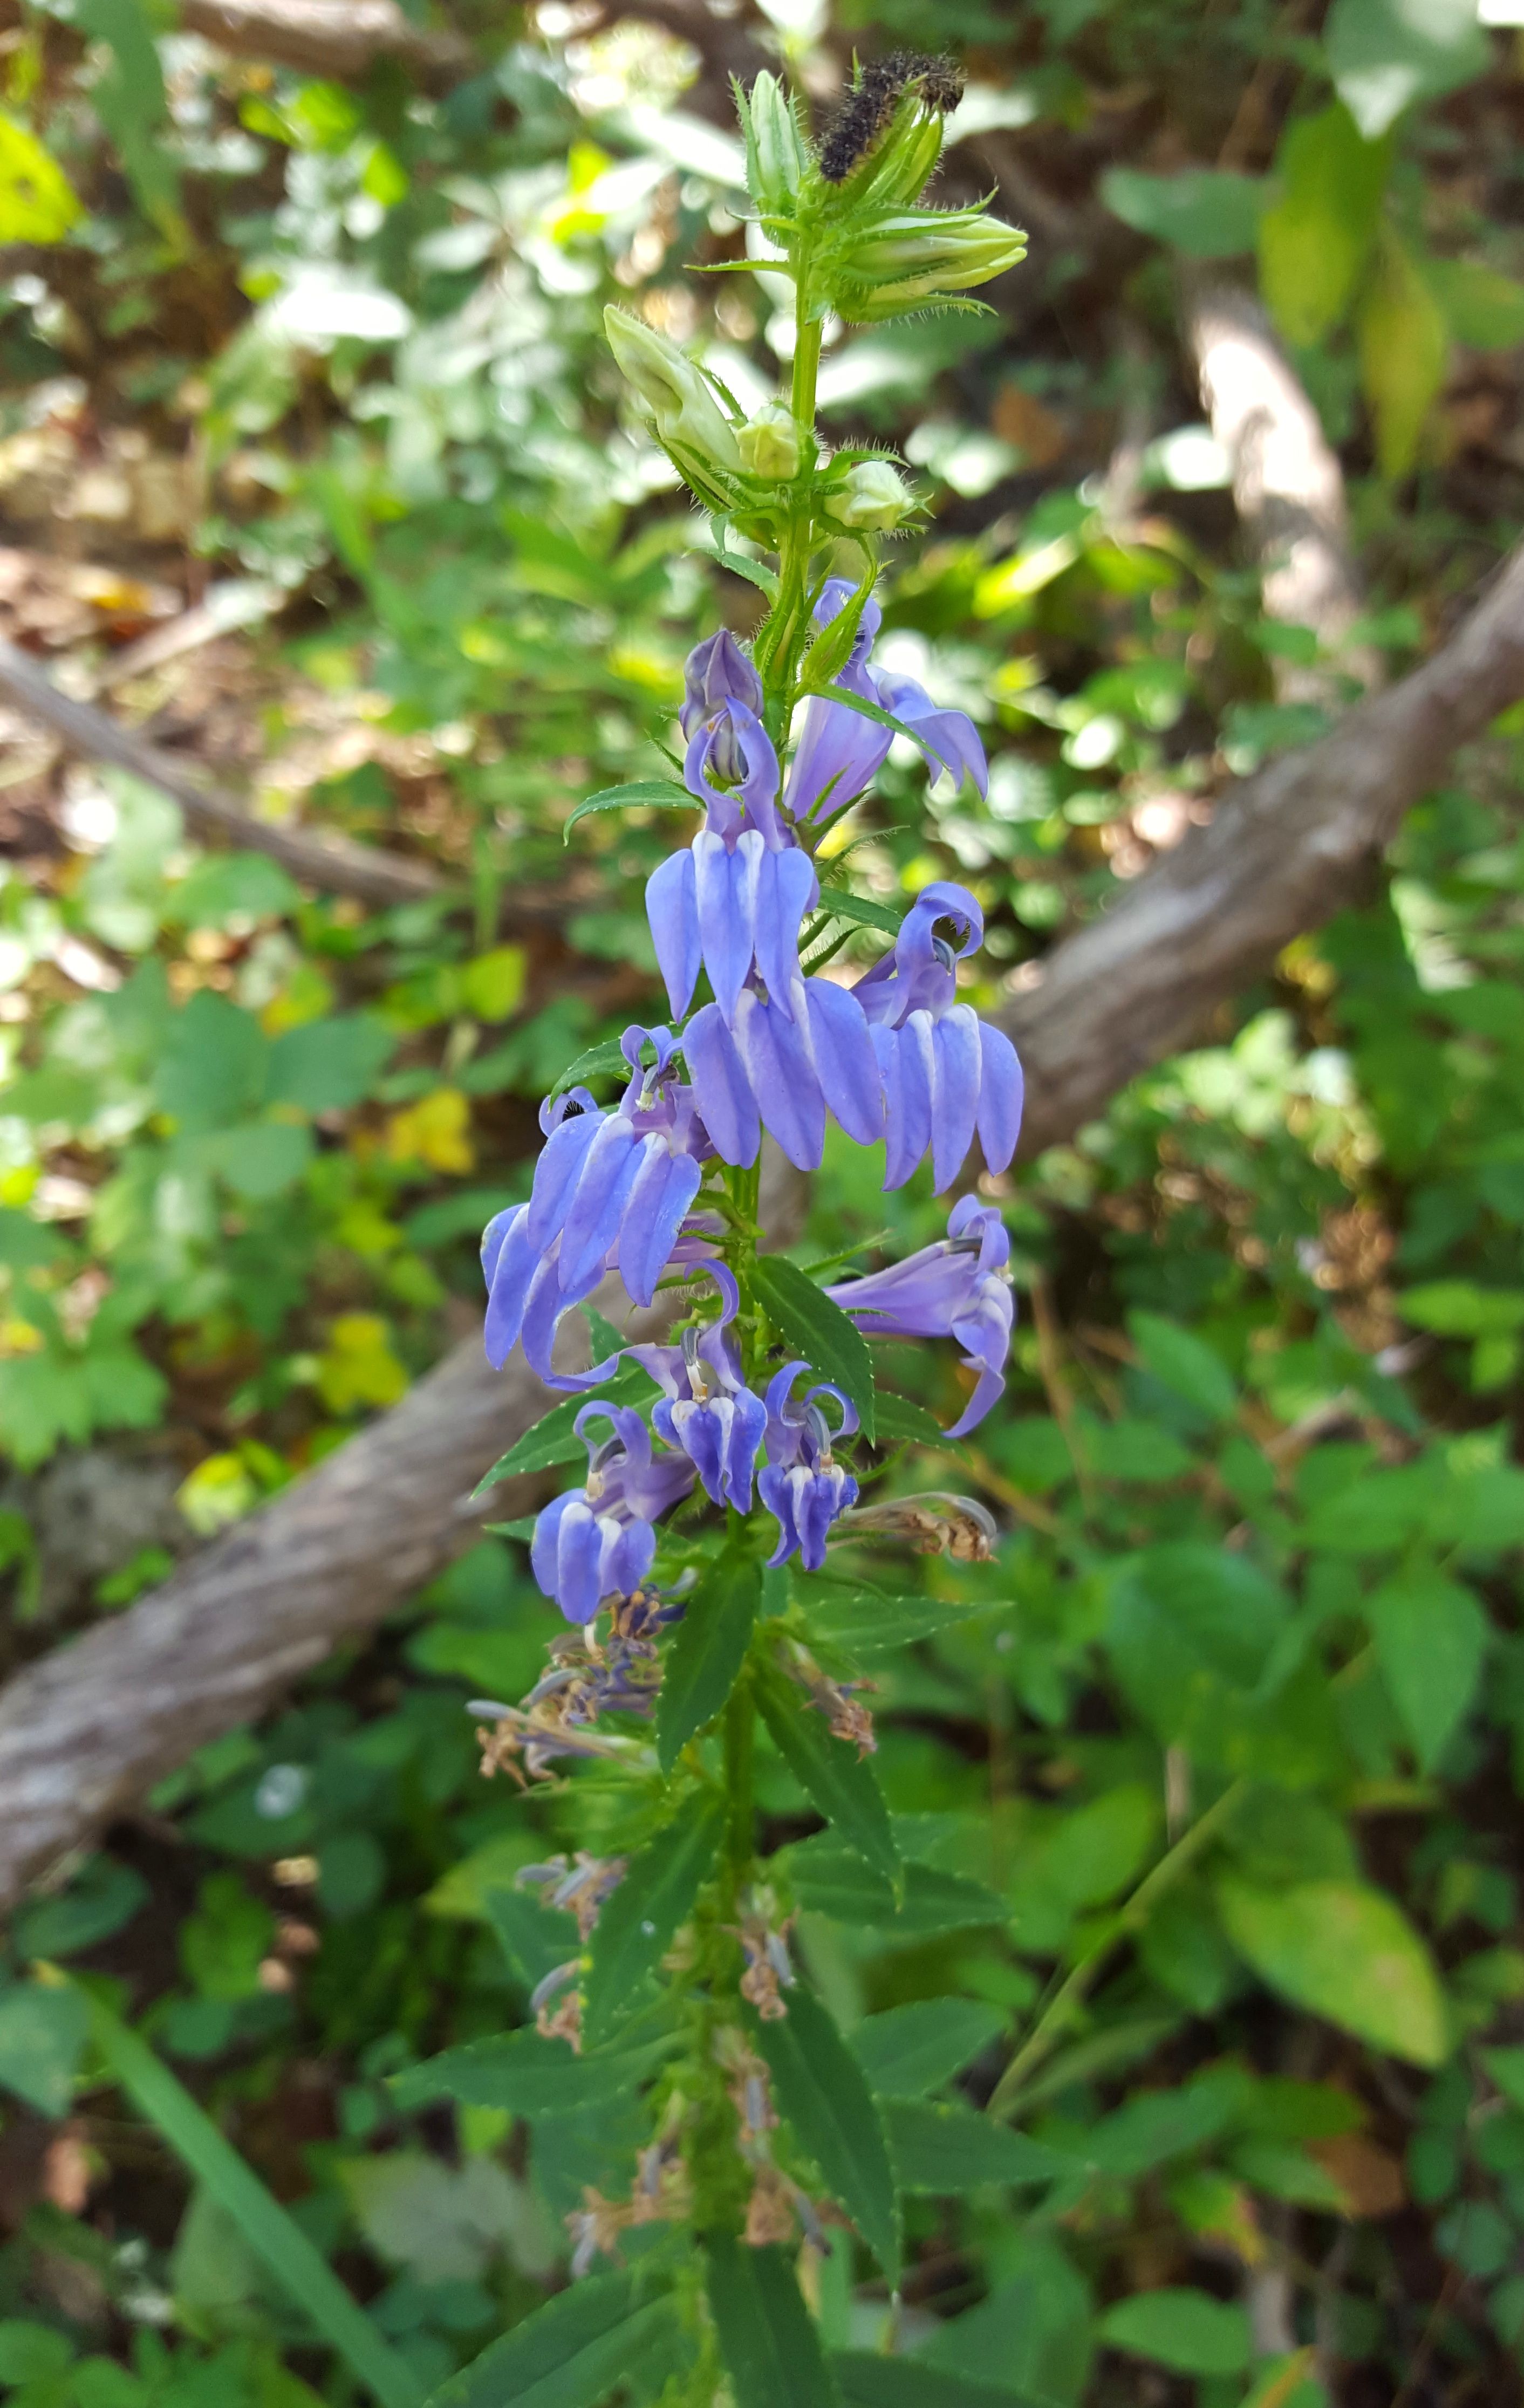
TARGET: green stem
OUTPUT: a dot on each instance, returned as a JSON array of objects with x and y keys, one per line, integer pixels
[{"x": 1131, "y": 1918}]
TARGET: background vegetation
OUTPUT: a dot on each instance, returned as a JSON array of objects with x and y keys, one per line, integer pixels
[{"x": 311, "y": 466}]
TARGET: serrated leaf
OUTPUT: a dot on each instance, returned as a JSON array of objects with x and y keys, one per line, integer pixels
[
  {"x": 635, "y": 1926},
  {"x": 830, "y": 1879},
  {"x": 820, "y": 2086},
  {"x": 837, "y": 903},
  {"x": 524, "y": 2074},
  {"x": 640, "y": 793},
  {"x": 767, "y": 2339},
  {"x": 902, "y": 1420},
  {"x": 553, "y": 1438},
  {"x": 1348, "y": 1953},
  {"x": 864, "y": 1621},
  {"x": 840, "y": 1785},
  {"x": 569, "y": 2352},
  {"x": 907, "y": 2051},
  {"x": 605, "y": 1061},
  {"x": 944, "y": 2151},
  {"x": 737, "y": 564},
  {"x": 854, "y": 702},
  {"x": 819, "y": 1330},
  {"x": 703, "y": 1660}
]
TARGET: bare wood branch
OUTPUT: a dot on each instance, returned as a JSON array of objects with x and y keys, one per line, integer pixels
[
  {"x": 1286, "y": 849},
  {"x": 334, "y": 863},
  {"x": 87, "y": 1730},
  {"x": 1287, "y": 483},
  {"x": 341, "y": 40}
]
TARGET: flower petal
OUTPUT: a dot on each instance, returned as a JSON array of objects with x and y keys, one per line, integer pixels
[
  {"x": 556, "y": 1173},
  {"x": 726, "y": 1105},
  {"x": 725, "y": 883},
  {"x": 1001, "y": 1092},
  {"x": 598, "y": 1208},
  {"x": 782, "y": 1079},
  {"x": 671, "y": 904},
  {"x": 785, "y": 883},
  {"x": 845, "y": 1064},
  {"x": 955, "y": 1092},
  {"x": 664, "y": 1186}
]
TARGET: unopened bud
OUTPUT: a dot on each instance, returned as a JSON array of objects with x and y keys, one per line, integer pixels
[
  {"x": 871, "y": 496},
  {"x": 775, "y": 153},
  {"x": 920, "y": 255},
  {"x": 770, "y": 443},
  {"x": 679, "y": 401}
]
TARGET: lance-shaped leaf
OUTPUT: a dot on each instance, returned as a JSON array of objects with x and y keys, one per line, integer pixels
[
  {"x": 571, "y": 2352},
  {"x": 524, "y": 2074},
  {"x": 907, "y": 2051},
  {"x": 641, "y": 794},
  {"x": 704, "y": 1659},
  {"x": 839, "y": 1784},
  {"x": 868, "y": 2380},
  {"x": 819, "y": 1330},
  {"x": 605, "y": 1061},
  {"x": 866, "y": 1621},
  {"x": 635, "y": 1927},
  {"x": 768, "y": 2340},
  {"x": 820, "y": 2086},
  {"x": 553, "y": 1438},
  {"x": 944, "y": 2151}
]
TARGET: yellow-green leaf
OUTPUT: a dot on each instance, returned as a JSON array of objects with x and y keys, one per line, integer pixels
[
  {"x": 1345, "y": 1952},
  {"x": 1314, "y": 242},
  {"x": 1404, "y": 344},
  {"x": 37, "y": 202}
]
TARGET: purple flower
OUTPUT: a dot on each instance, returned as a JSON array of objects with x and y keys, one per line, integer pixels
[
  {"x": 597, "y": 1541},
  {"x": 788, "y": 1060},
  {"x": 840, "y": 752},
  {"x": 707, "y": 1411},
  {"x": 960, "y": 1287},
  {"x": 802, "y": 1485},
  {"x": 946, "y": 1072},
  {"x": 610, "y": 1187}
]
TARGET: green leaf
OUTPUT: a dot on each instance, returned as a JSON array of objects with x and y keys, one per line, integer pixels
[
  {"x": 605, "y": 1061},
  {"x": 820, "y": 2086},
  {"x": 1348, "y": 1953},
  {"x": 839, "y": 1784},
  {"x": 1461, "y": 1309},
  {"x": 325, "y": 1066},
  {"x": 819, "y": 1330},
  {"x": 640, "y": 793},
  {"x": 1430, "y": 1637},
  {"x": 309, "y": 2281},
  {"x": 1315, "y": 239},
  {"x": 42, "y": 2037},
  {"x": 868, "y": 2380},
  {"x": 553, "y": 1438},
  {"x": 1404, "y": 346},
  {"x": 30, "y": 2353},
  {"x": 1185, "y": 1365},
  {"x": 37, "y": 202},
  {"x": 1206, "y": 212},
  {"x": 523, "y": 2075},
  {"x": 832, "y": 1880},
  {"x": 225, "y": 885},
  {"x": 836, "y": 903},
  {"x": 636, "y": 1925},
  {"x": 211, "y": 1071},
  {"x": 703, "y": 1660},
  {"x": 102, "y": 1897},
  {"x": 1506, "y": 2068},
  {"x": 864, "y": 1621},
  {"x": 1484, "y": 309},
  {"x": 737, "y": 563},
  {"x": 941, "y": 2151},
  {"x": 1386, "y": 54},
  {"x": 902, "y": 1420},
  {"x": 130, "y": 101},
  {"x": 767, "y": 2340},
  {"x": 854, "y": 702},
  {"x": 1188, "y": 2330},
  {"x": 907, "y": 2051},
  {"x": 569, "y": 2354}
]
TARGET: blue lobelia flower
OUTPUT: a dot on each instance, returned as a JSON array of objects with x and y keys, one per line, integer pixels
[
  {"x": 774, "y": 1050},
  {"x": 611, "y": 1187},
  {"x": 946, "y": 1073},
  {"x": 597, "y": 1541},
  {"x": 841, "y": 753},
  {"x": 960, "y": 1287},
  {"x": 707, "y": 1411},
  {"x": 801, "y": 1484}
]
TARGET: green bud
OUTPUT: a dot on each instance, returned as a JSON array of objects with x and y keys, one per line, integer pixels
[
  {"x": 770, "y": 443},
  {"x": 679, "y": 401},
  {"x": 898, "y": 172},
  {"x": 872, "y": 497},
  {"x": 775, "y": 153},
  {"x": 927, "y": 251}
]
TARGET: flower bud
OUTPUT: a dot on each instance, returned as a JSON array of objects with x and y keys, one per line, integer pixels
[
  {"x": 770, "y": 443},
  {"x": 871, "y": 496},
  {"x": 679, "y": 401},
  {"x": 933, "y": 250},
  {"x": 775, "y": 155}
]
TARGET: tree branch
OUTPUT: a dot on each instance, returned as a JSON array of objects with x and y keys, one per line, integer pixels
[
  {"x": 88, "y": 1729},
  {"x": 334, "y": 863},
  {"x": 341, "y": 40}
]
